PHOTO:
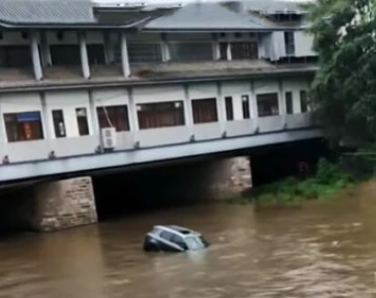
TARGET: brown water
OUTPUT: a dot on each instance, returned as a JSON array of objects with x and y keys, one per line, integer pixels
[{"x": 321, "y": 250}]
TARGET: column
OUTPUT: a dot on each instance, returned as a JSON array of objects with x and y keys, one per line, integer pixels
[
  {"x": 2, "y": 134},
  {"x": 108, "y": 48},
  {"x": 165, "y": 49},
  {"x": 216, "y": 50},
  {"x": 221, "y": 109},
  {"x": 133, "y": 119},
  {"x": 228, "y": 52},
  {"x": 37, "y": 66},
  {"x": 84, "y": 56},
  {"x": 93, "y": 114},
  {"x": 63, "y": 204},
  {"x": 124, "y": 55},
  {"x": 188, "y": 114},
  {"x": 281, "y": 103},
  {"x": 45, "y": 50},
  {"x": 253, "y": 99}
]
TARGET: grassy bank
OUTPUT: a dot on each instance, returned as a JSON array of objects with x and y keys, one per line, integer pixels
[{"x": 327, "y": 181}]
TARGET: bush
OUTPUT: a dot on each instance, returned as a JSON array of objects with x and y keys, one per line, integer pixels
[{"x": 329, "y": 178}]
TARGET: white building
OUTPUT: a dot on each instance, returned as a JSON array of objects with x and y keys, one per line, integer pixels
[{"x": 168, "y": 81}]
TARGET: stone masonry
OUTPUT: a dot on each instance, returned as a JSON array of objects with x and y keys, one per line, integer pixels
[
  {"x": 229, "y": 178},
  {"x": 64, "y": 204}
]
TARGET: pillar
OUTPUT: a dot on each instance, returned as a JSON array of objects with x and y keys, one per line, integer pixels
[
  {"x": 216, "y": 179},
  {"x": 188, "y": 113},
  {"x": 216, "y": 50},
  {"x": 221, "y": 109},
  {"x": 228, "y": 52},
  {"x": 124, "y": 55},
  {"x": 165, "y": 49},
  {"x": 229, "y": 178},
  {"x": 37, "y": 66},
  {"x": 45, "y": 50},
  {"x": 84, "y": 56},
  {"x": 108, "y": 48},
  {"x": 64, "y": 204}
]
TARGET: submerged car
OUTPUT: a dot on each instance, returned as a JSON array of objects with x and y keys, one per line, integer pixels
[{"x": 174, "y": 239}]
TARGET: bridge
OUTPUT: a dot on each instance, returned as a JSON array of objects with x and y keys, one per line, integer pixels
[{"x": 113, "y": 88}]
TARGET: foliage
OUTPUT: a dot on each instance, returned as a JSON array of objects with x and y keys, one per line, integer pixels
[
  {"x": 329, "y": 179},
  {"x": 343, "y": 93}
]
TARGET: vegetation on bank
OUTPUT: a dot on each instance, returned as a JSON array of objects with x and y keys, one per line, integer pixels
[{"x": 328, "y": 180}]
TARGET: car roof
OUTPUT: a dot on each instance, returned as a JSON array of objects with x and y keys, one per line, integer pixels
[{"x": 178, "y": 230}]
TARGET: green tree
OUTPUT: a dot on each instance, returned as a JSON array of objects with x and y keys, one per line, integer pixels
[{"x": 343, "y": 92}]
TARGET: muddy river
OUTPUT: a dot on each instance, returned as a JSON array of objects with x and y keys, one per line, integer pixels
[{"x": 323, "y": 249}]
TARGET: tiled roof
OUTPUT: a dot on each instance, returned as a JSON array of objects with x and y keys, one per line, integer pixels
[
  {"x": 51, "y": 12},
  {"x": 211, "y": 16},
  {"x": 46, "y": 11}
]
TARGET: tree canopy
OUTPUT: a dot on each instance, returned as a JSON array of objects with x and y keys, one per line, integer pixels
[{"x": 343, "y": 93}]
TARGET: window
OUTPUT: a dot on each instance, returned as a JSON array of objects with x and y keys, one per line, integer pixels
[
  {"x": 163, "y": 114},
  {"x": 25, "y": 126},
  {"x": 303, "y": 101},
  {"x": 223, "y": 50},
  {"x": 267, "y": 104},
  {"x": 244, "y": 50},
  {"x": 238, "y": 35},
  {"x": 185, "y": 51},
  {"x": 289, "y": 43},
  {"x": 245, "y": 107},
  {"x": 113, "y": 116},
  {"x": 1, "y": 35},
  {"x": 167, "y": 235},
  {"x": 83, "y": 126},
  {"x": 229, "y": 108},
  {"x": 65, "y": 55},
  {"x": 15, "y": 56},
  {"x": 59, "y": 125},
  {"x": 289, "y": 103},
  {"x": 204, "y": 110},
  {"x": 144, "y": 53},
  {"x": 95, "y": 54}
]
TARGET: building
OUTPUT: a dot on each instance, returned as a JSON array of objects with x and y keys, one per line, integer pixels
[{"x": 81, "y": 81}]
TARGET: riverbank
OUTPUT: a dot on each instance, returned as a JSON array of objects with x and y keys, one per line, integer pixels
[{"x": 327, "y": 181}]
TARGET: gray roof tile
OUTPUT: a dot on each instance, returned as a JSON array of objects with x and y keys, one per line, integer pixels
[
  {"x": 46, "y": 11},
  {"x": 211, "y": 16}
]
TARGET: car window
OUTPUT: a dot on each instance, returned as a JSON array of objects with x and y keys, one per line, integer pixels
[
  {"x": 179, "y": 240},
  {"x": 167, "y": 235},
  {"x": 195, "y": 243}
]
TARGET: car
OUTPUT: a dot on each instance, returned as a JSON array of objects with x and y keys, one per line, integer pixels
[{"x": 171, "y": 238}]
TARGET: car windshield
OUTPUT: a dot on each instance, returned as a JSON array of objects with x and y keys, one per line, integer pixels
[{"x": 195, "y": 242}]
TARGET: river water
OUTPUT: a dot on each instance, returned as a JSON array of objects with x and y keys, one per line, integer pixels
[{"x": 323, "y": 249}]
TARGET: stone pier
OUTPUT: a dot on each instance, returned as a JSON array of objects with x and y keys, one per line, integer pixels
[
  {"x": 64, "y": 204},
  {"x": 228, "y": 178},
  {"x": 49, "y": 206}
]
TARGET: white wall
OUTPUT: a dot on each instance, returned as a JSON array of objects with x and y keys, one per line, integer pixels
[
  {"x": 68, "y": 101},
  {"x": 13, "y": 38},
  {"x": 158, "y": 94},
  {"x": 110, "y": 97},
  {"x": 204, "y": 90},
  {"x": 236, "y": 90},
  {"x": 70, "y": 37},
  {"x": 303, "y": 44},
  {"x": 265, "y": 86},
  {"x": 295, "y": 86}
]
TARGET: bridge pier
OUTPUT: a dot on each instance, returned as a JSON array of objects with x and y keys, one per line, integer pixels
[
  {"x": 227, "y": 178},
  {"x": 64, "y": 204},
  {"x": 49, "y": 206}
]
